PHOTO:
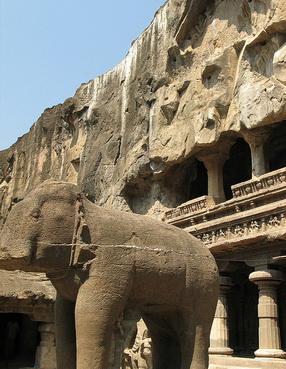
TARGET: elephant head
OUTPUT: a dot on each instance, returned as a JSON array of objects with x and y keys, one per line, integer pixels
[{"x": 37, "y": 235}]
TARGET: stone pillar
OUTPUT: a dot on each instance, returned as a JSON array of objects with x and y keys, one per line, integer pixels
[
  {"x": 269, "y": 332},
  {"x": 256, "y": 142},
  {"x": 214, "y": 163},
  {"x": 46, "y": 351},
  {"x": 219, "y": 339}
]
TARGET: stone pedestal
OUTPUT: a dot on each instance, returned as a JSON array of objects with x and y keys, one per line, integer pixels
[
  {"x": 269, "y": 332},
  {"x": 219, "y": 339},
  {"x": 46, "y": 351}
]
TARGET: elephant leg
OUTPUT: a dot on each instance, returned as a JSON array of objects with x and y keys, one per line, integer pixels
[
  {"x": 65, "y": 333},
  {"x": 100, "y": 303},
  {"x": 197, "y": 310},
  {"x": 195, "y": 340},
  {"x": 165, "y": 341}
]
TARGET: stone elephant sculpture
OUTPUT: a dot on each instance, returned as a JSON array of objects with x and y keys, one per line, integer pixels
[{"x": 102, "y": 261}]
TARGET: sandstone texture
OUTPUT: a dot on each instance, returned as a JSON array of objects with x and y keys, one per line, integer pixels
[
  {"x": 102, "y": 262},
  {"x": 189, "y": 128},
  {"x": 11, "y": 289},
  {"x": 200, "y": 71},
  {"x": 31, "y": 293}
]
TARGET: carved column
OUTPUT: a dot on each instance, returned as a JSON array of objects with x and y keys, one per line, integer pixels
[
  {"x": 219, "y": 339},
  {"x": 256, "y": 142},
  {"x": 269, "y": 332},
  {"x": 214, "y": 162},
  {"x": 46, "y": 351}
]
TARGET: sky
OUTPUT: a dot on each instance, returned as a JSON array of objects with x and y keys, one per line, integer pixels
[{"x": 49, "y": 47}]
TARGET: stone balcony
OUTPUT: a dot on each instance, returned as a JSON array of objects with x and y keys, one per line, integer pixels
[{"x": 256, "y": 212}]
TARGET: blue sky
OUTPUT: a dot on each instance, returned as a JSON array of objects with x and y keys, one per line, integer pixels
[{"x": 49, "y": 47}]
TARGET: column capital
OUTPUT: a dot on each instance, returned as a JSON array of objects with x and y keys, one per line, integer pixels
[
  {"x": 256, "y": 137},
  {"x": 266, "y": 276},
  {"x": 213, "y": 157}
]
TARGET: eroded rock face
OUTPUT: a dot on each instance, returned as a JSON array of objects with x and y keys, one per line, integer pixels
[{"x": 201, "y": 71}]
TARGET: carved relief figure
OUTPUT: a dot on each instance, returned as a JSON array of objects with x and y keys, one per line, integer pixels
[{"x": 140, "y": 355}]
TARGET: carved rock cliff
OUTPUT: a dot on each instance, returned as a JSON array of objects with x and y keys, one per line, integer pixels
[{"x": 201, "y": 71}]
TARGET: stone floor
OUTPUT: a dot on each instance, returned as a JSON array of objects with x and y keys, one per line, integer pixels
[{"x": 222, "y": 362}]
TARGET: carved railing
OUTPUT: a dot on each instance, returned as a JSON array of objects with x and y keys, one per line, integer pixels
[
  {"x": 266, "y": 181},
  {"x": 193, "y": 206}
]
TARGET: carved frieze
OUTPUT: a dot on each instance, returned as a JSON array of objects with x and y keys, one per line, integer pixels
[{"x": 243, "y": 229}]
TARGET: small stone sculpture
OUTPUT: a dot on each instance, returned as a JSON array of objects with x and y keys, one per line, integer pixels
[
  {"x": 142, "y": 347},
  {"x": 103, "y": 261}
]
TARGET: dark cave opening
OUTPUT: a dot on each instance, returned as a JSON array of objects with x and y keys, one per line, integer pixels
[
  {"x": 19, "y": 339},
  {"x": 238, "y": 168},
  {"x": 198, "y": 177},
  {"x": 187, "y": 180},
  {"x": 275, "y": 147}
]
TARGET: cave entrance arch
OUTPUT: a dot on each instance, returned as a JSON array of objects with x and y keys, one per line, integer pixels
[
  {"x": 238, "y": 168},
  {"x": 19, "y": 339}
]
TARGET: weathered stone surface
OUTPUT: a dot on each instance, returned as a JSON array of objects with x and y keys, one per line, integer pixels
[
  {"x": 103, "y": 261},
  {"x": 201, "y": 75},
  {"x": 199, "y": 70},
  {"x": 27, "y": 293},
  {"x": 279, "y": 64},
  {"x": 11, "y": 288}
]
